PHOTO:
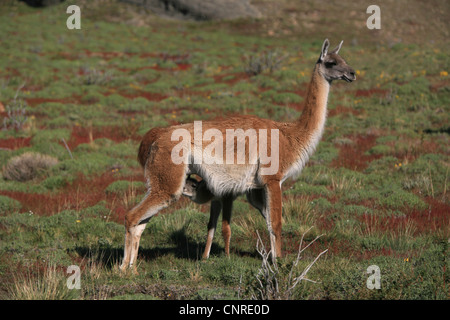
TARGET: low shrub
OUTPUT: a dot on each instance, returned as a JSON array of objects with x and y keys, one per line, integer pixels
[
  {"x": 16, "y": 115},
  {"x": 57, "y": 182},
  {"x": 27, "y": 166},
  {"x": 271, "y": 61}
]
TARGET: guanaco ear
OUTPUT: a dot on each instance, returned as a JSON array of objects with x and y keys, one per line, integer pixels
[
  {"x": 336, "y": 50},
  {"x": 325, "y": 46}
]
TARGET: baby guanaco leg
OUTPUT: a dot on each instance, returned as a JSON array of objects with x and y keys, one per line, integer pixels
[{"x": 216, "y": 207}]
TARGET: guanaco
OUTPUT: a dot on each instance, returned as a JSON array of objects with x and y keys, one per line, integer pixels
[{"x": 295, "y": 142}]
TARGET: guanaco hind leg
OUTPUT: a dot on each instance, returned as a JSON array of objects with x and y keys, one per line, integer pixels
[
  {"x": 166, "y": 187},
  {"x": 135, "y": 222}
]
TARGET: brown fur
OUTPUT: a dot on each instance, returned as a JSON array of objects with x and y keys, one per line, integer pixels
[{"x": 146, "y": 144}]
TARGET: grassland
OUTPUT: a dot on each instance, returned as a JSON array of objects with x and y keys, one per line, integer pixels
[{"x": 376, "y": 189}]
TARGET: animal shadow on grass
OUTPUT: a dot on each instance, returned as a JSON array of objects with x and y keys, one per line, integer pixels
[{"x": 182, "y": 246}]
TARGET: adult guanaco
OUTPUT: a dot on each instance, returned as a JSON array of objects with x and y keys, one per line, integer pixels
[{"x": 294, "y": 142}]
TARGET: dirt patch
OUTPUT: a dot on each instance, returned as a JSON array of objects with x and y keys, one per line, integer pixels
[
  {"x": 150, "y": 96},
  {"x": 188, "y": 92},
  {"x": 433, "y": 219},
  {"x": 81, "y": 134},
  {"x": 370, "y": 92},
  {"x": 14, "y": 143},
  {"x": 353, "y": 155},
  {"x": 413, "y": 222},
  {"x": 180, "y": 67},
  {"x": 233, "y": 78},
  {"x": 82, "y": 193},
  {"x": 413, "y": 148},
  {"x": 342, "y": 110},
  {"x": 32, "y": 102},
  {"x": 108, "y": 55}
]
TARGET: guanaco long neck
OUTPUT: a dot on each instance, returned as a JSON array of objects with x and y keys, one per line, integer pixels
[
  {"x": 306, "y": 132},
  {"x": 314, "y": 114}
]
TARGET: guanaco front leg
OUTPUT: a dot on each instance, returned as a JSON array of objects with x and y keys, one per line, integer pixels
[
  {"x": 227, "y": 205},
  {"x": 273, "y": 211}
]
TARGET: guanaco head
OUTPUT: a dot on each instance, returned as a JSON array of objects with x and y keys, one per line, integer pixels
[
  {"x": 197, "y": 191},
  {"x": 332, "y": 66}
]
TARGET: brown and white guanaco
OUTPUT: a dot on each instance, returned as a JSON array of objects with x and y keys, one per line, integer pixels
[{"x": 295, "y": 141}]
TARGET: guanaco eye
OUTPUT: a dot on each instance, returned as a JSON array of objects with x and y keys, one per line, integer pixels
[{"x": 330, "y": 64}]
